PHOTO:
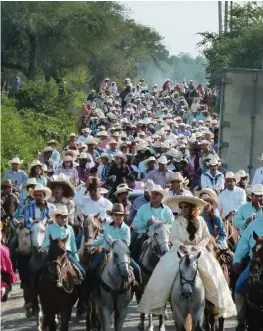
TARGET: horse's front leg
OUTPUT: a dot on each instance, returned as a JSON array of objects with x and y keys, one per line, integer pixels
[
  {"x": 221, "y": 322},
  {"x": 64, "y": 320},
  {"x": 161, "y": 323},
  {"x": 150, "y": 325},
  {"x": 141, "y": 323},
  {"x": 119, "y": 319},
  {"x": 105, "y": 318}
]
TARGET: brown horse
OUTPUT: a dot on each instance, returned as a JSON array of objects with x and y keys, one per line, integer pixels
[
  {"x": 231, "y": 232},
  {"x": 254, "y": 293},
  {"x": 91, "y": 230},
  {"x": 8, "y": 229},
  {"x": 58, "y": 288},
  {"x": 224, "y": 258}
]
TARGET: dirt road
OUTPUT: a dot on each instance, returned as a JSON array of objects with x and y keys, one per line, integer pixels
[{"x": 13, "y": 317}]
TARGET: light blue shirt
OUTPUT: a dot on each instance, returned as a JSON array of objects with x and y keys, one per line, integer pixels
[
  {"x": 19, "y": 177},
  {"x": 146, "y": 212},
  {"x": 33, "y": 212},
  {"x": 123, "y": 233},
  {"x": 56, "y": 158},
  {"x": 60, "y": 232},
  {"x": 243, "y": 213},
  {"x": 247, "y": 242}
]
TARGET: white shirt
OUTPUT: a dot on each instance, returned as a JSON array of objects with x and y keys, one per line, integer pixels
[
  {"x": 258, "y": 177},
  {"x": 213, "y": 182},
  {"x": 100, "y": 170},
  {"x": 231, "y": 200},
  {"x": 82, "y": 139}
]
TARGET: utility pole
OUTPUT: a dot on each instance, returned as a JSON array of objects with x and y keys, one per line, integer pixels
[
  {"x": 226, "y": 17},
  {"x": 231, "y": 17},
  {"x": 220, "y": 24}
]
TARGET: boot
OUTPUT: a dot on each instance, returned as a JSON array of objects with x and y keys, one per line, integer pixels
[{"x": 241, "y": 311}]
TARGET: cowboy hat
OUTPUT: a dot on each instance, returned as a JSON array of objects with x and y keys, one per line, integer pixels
[
  {"x": 122, "y": 188},
  {"x": 64, "y": 181},
  {"x": 117, "y": 209},
  {"x": 102, "y": 133},
  {"x": 15, "y": 160},
  {"x": 48, "y": 149},
  {"x": 82, "y": 145},
  {"x": 105, "y": 156},
  {"x": 67, "y": 158},
  {"x": 231, "y": 175},
  {"x": 39, "y": 187},
  {"x": 52, "y": 141},
  {"x": 121, "y": 155},
  {"x": 35, "y": 163},
  {"x": 160, "y": 190},
  {"x": 83, "y": 156},
  {"x": 61, "y": 210},
  {"x": 7, "y": 182},
  {"x": 29, "y": 181},
  {"x": 148, "y": 186},
  {"x": 72, "y": 134},
  {"x": 176, "y": 176},
  {"x": 151, "y": 159},
  {"x": 208, "y": 191},
  {"x": 87, "y": 130},
  {"x": 208, "y": 198},
  {"x": 74, "y": 154},
  {"x": 91, "y": 141},
  {"x": 173, "y": 202},
  {"x": 241, "y": 173},
  {"x": 163, "y": 160},
  {"x": 257, "y": 189},
  {"x": 213, "y": 162}
]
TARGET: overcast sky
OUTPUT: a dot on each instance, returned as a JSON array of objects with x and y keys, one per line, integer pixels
[{"x": 177, "y": 21}]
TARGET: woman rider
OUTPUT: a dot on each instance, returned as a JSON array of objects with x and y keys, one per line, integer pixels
[
  {"x": 190, "y": 232},
  {"x": 115, "y": 230}
]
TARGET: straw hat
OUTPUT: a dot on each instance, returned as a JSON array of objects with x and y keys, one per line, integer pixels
[
  {"x": 61, "y": 210},
  {"x": 48, "y": 149},
  {"x": 176, "y": 176},
  {"x": 91, "y": 141},
  {"x": 159, "y": 189},
  {"x": 29, "y": 181},
  {"x": 102, "y": 133},
  {"x": 64, "y": 181},
  {"x": 208, "y": 191},
  {"x": 242, "y": 173},
  {"x": 148, "y": 186},
  {"x": 72, "y": 134},
  {"x": 231, "y": 175},
  {"x": 87, "y": 130},
  {"x": 257, "y": 189},
  {"x": 121, "y": 155},
  {"x": 208, "y": 198},
  {"x": 122, "y": 188},
  {"x": 173, "y": 202},
  {"x": 105, "y": 156},
  {"x": 163, "y": 160},
  {"x": 39, "y": 187},
  {"x": 35, "y": 163},
  {"x": 117, "y": 209},
  {"x": 151, "y": 159},
  {"x": 82, "y": 145},
  {"x": 74, "y": 154},
  {"x": 15, "y": 160},
  {"x": 213, "y": 162}
]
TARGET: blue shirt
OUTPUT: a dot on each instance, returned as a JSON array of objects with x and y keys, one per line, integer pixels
[
  {"x": 19, "y": 177},
  {"x": 33, "y": 212},
  {"x": 60, "y": 232},
  {"x": 137, "y": 203},
  {"x": 122, "y": 232},
  {"x": 146, "y": 212},
  {"x": 186, "y": 133},
  {"x": 243, "y": 213},
  {"x": 247, "y": 242},
  {"x": 215, "y": 228}
]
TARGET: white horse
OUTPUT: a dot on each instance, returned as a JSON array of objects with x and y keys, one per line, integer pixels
[{"x": 188, "y": 293}]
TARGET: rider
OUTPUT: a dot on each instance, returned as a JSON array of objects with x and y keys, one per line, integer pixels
[
  {"x": 244, "y": 247},
  {"x": 189, "y": 233},
  {"x": 148, "y": 214},
  {"x": 15, "y": 174},
  {"x": 250, "y": 210},
  {"x": 115, "y": 230}
]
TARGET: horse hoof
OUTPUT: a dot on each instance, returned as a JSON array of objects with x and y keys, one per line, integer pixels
[
  {"x": 141, "y": 326},
  {"x": 29, "y": 313},
  {"x": 150, "y": 328},
  {"x": 166, "y": 316},
  {"x": 162, "y": 328}
]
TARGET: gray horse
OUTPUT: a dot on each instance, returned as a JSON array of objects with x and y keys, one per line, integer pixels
[
  {"x": 115, "y": 292},
  {"x": 188, "y": 293},
  {"x": 152, "y": 250}
]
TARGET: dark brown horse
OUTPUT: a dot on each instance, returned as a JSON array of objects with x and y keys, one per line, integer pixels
[
  {"x": 255, "y": 287},
  {"x": 58, "y": 288}
]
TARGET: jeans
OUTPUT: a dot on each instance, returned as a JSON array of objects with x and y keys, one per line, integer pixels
[
  {"x": 136, "y": 271},
  {"x": 241, "y": 284},
  {"x": 78, "y": 238},
  {"x": 72, "y": 259}
]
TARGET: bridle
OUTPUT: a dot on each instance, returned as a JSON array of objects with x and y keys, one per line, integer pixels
[
  {"x": 158, "y": 250},
  {"x": 184, "y": 281}
]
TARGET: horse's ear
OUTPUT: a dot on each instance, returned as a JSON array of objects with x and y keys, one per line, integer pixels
[
  {"x": 255, "y": 236},
  {"x": 180, "y": 255},
  {"x": 198, "y": 255}
]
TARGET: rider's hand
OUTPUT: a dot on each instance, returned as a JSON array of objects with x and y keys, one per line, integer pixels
[
  {"x": 150, "y": 222},
  {"x": 248, "y": 220}
]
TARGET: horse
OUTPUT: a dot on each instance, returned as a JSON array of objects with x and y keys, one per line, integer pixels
[
  {"x": 231, "y": 232},
  {"x": 58, "y": 288},
  {"x": 152, "y": 250},
  {"x": 115, "y": 290},
  {"x": 254, "y": 295},
  {"x": 91, "y": 230},
  {"x": 8, "y": 229},
  {"x": 188, "y": 293}
]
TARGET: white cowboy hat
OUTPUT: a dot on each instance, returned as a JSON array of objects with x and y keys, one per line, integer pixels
[
  {"x": 29, "y": 181},
  {"x": 213, "y": 162},
  {"x": 85, "y": 130},
  {"x": 83, "y": 156},
  {"x": 74, "y": 154},
  {"x": 15, "y": 160},
  {"x": 105, "y": 156},
  {"x": 35, "y": 163},
  {"x": 148, "y": 186},
  {"x": 159, "y": 189},
  {"x": 82, "y": 145},
  {"x": 112, "y": 141},
  {"x": 67, "y": 158},
  {"x": 207, "y": 197},
  {"x": 163, "y": 160},
  {"x": 242, "y": 174},
  {"x": 176, "y": 176},
  {"x": 151, "y": 159},
  {"x": 122, "y": 188},
  {"x": 40, "y": 187},
  {"x": 72, "y": 134},
  {"x": 91, "y": 141},
  {"x": 173, "y": 202},
  {"x": 231, "y": 175},
  {"x": 102, "y": 133},
  {"x": 61, "y": 210},
  {"x": 257, "y": 189},
  {"x": 208, "y": 191},
  {"x": 121, "y": 155},
  {"x": 48, "y": 149}
]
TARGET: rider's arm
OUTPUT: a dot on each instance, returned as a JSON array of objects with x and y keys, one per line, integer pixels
[
  {"x": 140, "y": 221},
  {"x": 205, "y": 233},
  {"x": 98, "y": 242},
  {"x": 221, "y": 230},
  {"x": 239, "y": 219},
  {"x": 27, "y": 217},
  {"x": 243, "y": 247},
  {"x": 73, "y": 246}
]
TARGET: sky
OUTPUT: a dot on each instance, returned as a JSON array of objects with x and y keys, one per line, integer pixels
[{"x": 177, "y": 21}]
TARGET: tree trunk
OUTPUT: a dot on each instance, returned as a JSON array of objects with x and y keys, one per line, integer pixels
[{"x": 32, "y": 69}]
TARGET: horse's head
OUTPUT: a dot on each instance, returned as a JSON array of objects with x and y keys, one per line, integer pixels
[
  {"x": 56, "y": 254},
  {"x": 188, "y": 271},
  {"x": 91, "y": 227},
  {"x": 120, "y": 255},
  {"x": 256, "y": 266},
  {"x": 38, "y": 229},
  {"x": 160, "y": 239},
  {"x": 23, "y": 238}
]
